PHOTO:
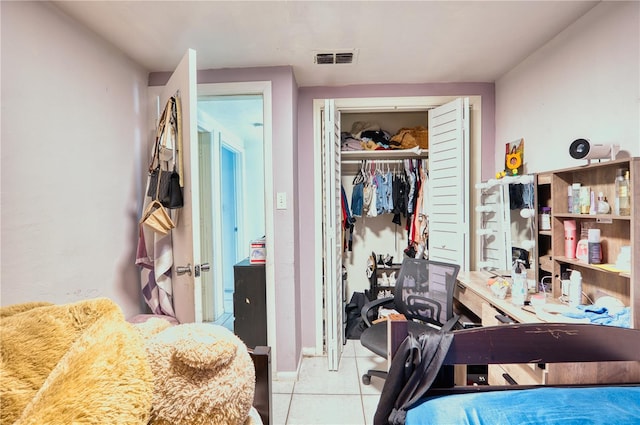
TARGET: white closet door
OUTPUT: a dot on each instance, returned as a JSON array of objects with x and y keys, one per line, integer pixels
[
  {"x": 449, "y": 178},
  {"x": 332, "y": 219}
]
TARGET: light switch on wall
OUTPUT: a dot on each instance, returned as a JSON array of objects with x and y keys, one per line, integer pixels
[{"x": 281, "y": 200}]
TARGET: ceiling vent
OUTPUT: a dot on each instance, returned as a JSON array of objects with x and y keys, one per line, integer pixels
[{"x": 344, "y": 57}]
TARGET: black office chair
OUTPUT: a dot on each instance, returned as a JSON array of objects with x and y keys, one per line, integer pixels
[{"x": 424, "y": 294}]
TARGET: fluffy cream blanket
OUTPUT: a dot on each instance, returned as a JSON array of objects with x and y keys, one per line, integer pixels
[{"x": 72, "y": 363}]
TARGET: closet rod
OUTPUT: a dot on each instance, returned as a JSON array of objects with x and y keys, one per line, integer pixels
[{"x": 377, "y": 161}]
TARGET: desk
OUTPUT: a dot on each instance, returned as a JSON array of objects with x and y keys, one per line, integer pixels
[
  {"x": 474, "y": 294},
  {"x": 472, "y": 291}
]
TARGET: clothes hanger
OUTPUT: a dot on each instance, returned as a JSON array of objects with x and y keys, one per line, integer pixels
[{"x": 360, "y": 176}]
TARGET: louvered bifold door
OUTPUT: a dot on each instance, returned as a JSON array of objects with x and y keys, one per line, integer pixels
[
  {"x": 332, "y": 220},
  {"x": 449, "y": 179}
]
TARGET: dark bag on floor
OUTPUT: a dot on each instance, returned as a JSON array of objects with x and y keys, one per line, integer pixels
[{"x": 355, "y": 324}]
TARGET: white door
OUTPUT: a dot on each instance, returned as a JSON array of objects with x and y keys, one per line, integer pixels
[
  {"x": 187, "y": 292},
  {"x": 449, "y": 179},
  {"x": 332, "y": 219}
]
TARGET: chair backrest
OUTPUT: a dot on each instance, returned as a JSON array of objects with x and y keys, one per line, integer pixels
[{"x": 424, "y": 290}]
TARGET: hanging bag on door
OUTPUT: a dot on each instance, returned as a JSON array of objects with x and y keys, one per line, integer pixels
[
  {"x": 174, "y": 200},
  {"x": 156, "y": 217},
  {"x": 159, "y": 178},
  {"x": 164, "y": 185}
]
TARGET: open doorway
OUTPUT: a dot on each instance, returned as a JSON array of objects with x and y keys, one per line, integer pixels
[{"x": 232, "y": 192}]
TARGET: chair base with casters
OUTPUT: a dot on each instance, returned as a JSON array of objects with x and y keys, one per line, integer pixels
[
  {"x": 375, "y": 337},
  {"x": 423, "y": 294}
]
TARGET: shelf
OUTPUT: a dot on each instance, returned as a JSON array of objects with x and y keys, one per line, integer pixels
[
  {"x": 546, "y": 268},
  {"x": 414, "y": 153},
  {"x": 599, "y": 267},
  {"x": 607, "y": 217},
  {"x": 544, "y": 179},
  {"x": 393, "y": 267},
  {"x": 616, "y": 232}
]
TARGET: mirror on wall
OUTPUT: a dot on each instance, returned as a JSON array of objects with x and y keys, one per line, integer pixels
[{"x": 507, "y": 221}]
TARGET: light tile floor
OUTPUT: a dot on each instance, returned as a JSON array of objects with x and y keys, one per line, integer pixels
[{"x": 321, "y": 397}]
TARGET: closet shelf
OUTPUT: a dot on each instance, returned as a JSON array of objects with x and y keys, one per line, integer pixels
[{"x": 385, "y": 154}]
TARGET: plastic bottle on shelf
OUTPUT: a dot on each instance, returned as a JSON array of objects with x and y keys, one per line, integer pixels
[
  {"x": 585, "y": 199},
  {"x": 575, "y": 288},
  {"x": 595, "y": 248},
  {"x": 582, "y": 248},
  {"x": 545, "y": 218},
  {"x": 625, "y": 195},
  {"x": 570, "y": 238},
  {"x": 575, "y": 206},
  {"x": 618, "y": 182},
  {"x": 519, "y": 283},
  {"x": 603, "y": 205}
]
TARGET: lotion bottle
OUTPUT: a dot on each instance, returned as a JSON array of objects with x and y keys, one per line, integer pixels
[
  {"x": 570, "y": 238},
  {"x": 575, "y": 288},
  {"x": 595, "y": 248}
]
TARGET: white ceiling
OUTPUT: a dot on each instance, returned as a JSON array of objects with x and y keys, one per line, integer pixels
[{"x": 395, "y": 41}]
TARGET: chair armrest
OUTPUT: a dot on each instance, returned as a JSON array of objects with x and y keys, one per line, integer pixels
[
  {"x": 451, "y": 323},
  {"x": 373, "y": 305}
]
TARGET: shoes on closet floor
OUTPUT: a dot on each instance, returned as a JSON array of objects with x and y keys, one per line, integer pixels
[
  {"x": 388, "y": 280},
  {"x": 371, "y": 265},
  {"x": 386, "y": 261}
]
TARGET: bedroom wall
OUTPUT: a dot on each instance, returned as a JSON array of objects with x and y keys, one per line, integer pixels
[
  {"x": 72, "y": 130},
  {"x": 284, "y": 247},
  {"x": 585, "y": 83}
]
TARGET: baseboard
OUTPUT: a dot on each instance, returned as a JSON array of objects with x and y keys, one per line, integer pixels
[
  {"x": 309, "y": 352},
  {"x": 287, "y": 376}
]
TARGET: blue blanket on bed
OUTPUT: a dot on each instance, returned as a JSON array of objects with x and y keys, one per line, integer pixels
[{"x": 566, "y": 406}]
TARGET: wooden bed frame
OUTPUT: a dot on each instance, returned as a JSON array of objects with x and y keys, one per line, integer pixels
[
  {"x": 540, "y": 343},
  {"x": 261, "y": 357},
  {"x": 544, "y": 343},
  {"x": 535, "y": 343}
]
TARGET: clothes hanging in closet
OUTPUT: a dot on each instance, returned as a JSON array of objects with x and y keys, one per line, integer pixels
[
  {"x": 348, "y": 222},
  {"x": 399, "y": 190},
  {"x": 417, "y": 209}
]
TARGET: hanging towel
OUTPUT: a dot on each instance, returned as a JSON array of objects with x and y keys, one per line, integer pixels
[{"x": 156, "y": 272}]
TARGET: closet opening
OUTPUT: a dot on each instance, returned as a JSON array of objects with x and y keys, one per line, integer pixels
[
  {"x": 379, "y": 231},
  {"x": 382, "y": 235}
]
